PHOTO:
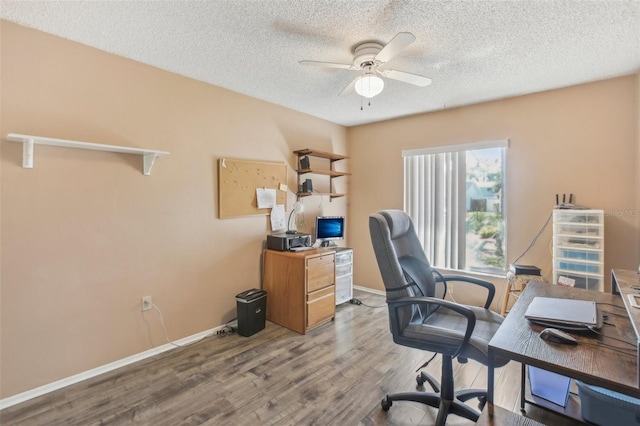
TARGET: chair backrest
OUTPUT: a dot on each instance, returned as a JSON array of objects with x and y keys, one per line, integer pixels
[{"x": 405, "y": 270}]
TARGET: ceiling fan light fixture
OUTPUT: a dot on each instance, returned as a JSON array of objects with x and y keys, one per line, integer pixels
[{"x": 369, "y": 85}]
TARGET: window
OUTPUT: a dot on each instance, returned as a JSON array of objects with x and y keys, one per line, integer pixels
[{"x": 455, "y": 197}]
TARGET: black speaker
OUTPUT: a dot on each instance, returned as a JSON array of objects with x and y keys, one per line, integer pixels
[
  {"x": 304, "y": 163},
  {"x": 307, "y": 186}
]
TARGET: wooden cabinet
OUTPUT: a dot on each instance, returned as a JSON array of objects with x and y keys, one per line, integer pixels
[
  {"x": 300, "y": 288},
  {"x": 305, "y": 167}
]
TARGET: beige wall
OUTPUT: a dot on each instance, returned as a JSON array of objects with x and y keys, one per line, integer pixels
[
  {"x": 85, "y": 234},
  {"x": 580, "y": 140}
]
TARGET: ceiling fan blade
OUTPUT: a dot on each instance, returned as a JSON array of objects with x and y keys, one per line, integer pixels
[
  {"x": 405, "y": 77},
  {"x": 327, "y": 64},
  {"x": 350, "y": 88},
  {"x": 395, "y": 46}
]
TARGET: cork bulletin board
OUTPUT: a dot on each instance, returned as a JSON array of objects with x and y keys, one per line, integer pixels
[{"x": 238, "y": 181}]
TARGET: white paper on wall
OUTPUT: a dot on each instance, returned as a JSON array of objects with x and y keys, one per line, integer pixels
[
  {"x": 266, "y": 197},
  {"x": 278, "y": 218}
]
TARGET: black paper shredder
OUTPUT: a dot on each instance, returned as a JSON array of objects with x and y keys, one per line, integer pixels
[{"x": 252, "y": 311}]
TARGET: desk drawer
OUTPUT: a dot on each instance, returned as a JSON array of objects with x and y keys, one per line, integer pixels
[
  {"x": 319, "y": 260},
  {"x": 320, "y": 293},
  {"x": 320, "y": 276},
  {"x": 321, "y": 306}
]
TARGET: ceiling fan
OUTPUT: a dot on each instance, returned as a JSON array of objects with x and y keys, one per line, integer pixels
[{"x": 369, "y": 58}]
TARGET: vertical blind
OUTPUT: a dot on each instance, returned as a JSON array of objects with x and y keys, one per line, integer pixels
[{"x": 434, "y": 198}]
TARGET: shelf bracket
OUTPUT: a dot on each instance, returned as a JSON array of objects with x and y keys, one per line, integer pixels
[
  {"x": 27, "y": 154},
  {"x": 148, "y": 160}
]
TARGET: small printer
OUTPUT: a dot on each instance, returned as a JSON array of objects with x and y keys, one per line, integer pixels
[{"x": 285, "y": 242}]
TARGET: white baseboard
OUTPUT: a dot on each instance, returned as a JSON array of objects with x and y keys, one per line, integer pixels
[
  {"x": 50, "y": 387},
  {"x": 369, "y": 290}
]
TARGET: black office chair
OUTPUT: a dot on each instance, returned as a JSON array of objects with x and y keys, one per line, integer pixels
[{"x": 419, "y": 317}]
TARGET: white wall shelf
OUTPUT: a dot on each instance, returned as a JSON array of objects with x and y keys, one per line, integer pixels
[{"x": 148, "y": 155}]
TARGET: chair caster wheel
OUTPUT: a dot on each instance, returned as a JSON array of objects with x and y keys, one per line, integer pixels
[
  {"x": 420, "y": 380},
  {"x": 386, "y": 403},
  {"x": 482, "y": 400}
]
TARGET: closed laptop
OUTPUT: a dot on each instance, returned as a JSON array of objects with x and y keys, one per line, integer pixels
[{"x": 569, "y": 314}]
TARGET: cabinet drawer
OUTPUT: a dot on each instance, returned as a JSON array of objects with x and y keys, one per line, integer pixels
[
  {"x": 320, "y": 276},
  {"x": 320, "y": 293},
  {"x": 319, "y": 260},
  {"x": 321, "y": 307}
]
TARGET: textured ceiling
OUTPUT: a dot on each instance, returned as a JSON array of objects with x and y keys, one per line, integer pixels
[{"x": 474, "y": 51}]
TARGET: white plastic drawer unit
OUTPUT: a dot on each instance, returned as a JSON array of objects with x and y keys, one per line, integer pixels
[
  {"x": 578, "y": 247},
  {"x": 344, "y": 275}
]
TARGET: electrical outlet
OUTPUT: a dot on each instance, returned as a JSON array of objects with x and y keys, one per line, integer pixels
[{"x": 146, "y": 303}]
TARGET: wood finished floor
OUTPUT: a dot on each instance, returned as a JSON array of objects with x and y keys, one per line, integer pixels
[{"x": 334, "y": 375}]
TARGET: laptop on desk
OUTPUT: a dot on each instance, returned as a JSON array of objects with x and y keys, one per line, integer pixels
[{"x": 566, "y": 314}]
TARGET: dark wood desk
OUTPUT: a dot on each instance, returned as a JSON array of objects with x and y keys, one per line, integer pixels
[
  {"x": 627, "y": 283},
  {"x": 518, "y": 339}
]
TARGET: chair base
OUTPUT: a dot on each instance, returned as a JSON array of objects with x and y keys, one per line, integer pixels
[
  {"x": 444, "y": 406},
  {"x": 444, "y": 398}
]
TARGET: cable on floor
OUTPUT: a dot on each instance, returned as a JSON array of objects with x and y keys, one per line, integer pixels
[
  {"x": 359, "y": 302},
  {"x": 164, "y": 331},
  {"x": 227, "y": 329}
]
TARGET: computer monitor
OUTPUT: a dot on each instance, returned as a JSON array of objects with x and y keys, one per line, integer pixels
[{"x": 329, "y": 228}]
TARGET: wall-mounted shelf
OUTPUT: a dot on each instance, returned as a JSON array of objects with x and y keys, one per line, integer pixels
[
  {"x": 331, "y": 173},
  {"x": 326, "y": 172},
  {"x": 148, "y": 155},
  {"x": 330, "y": 194}
]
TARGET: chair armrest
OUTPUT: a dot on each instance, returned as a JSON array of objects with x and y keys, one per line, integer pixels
[
  {"x": 463, "y": 310},
  {"x": 462, "y": 278}
]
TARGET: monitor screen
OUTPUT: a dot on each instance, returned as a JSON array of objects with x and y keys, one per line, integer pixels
[{"x": 330, "y": 228}]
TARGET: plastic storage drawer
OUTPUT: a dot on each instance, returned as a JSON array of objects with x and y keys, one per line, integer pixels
[
  {"x": 342, "y": 270},
  {"x": 589, "y": 283},
  {"x": 345, "y": 256},
  {"x": 582, "y": 255},
  {"x": 343, "y": 289},
  {"x": 579, "y": 267}
]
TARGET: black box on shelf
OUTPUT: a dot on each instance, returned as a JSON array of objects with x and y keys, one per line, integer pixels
[
  {"x": 307, "y": 186},
  {"x": 524, "y": 269},
  {"x": 304, "y": 163}
]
